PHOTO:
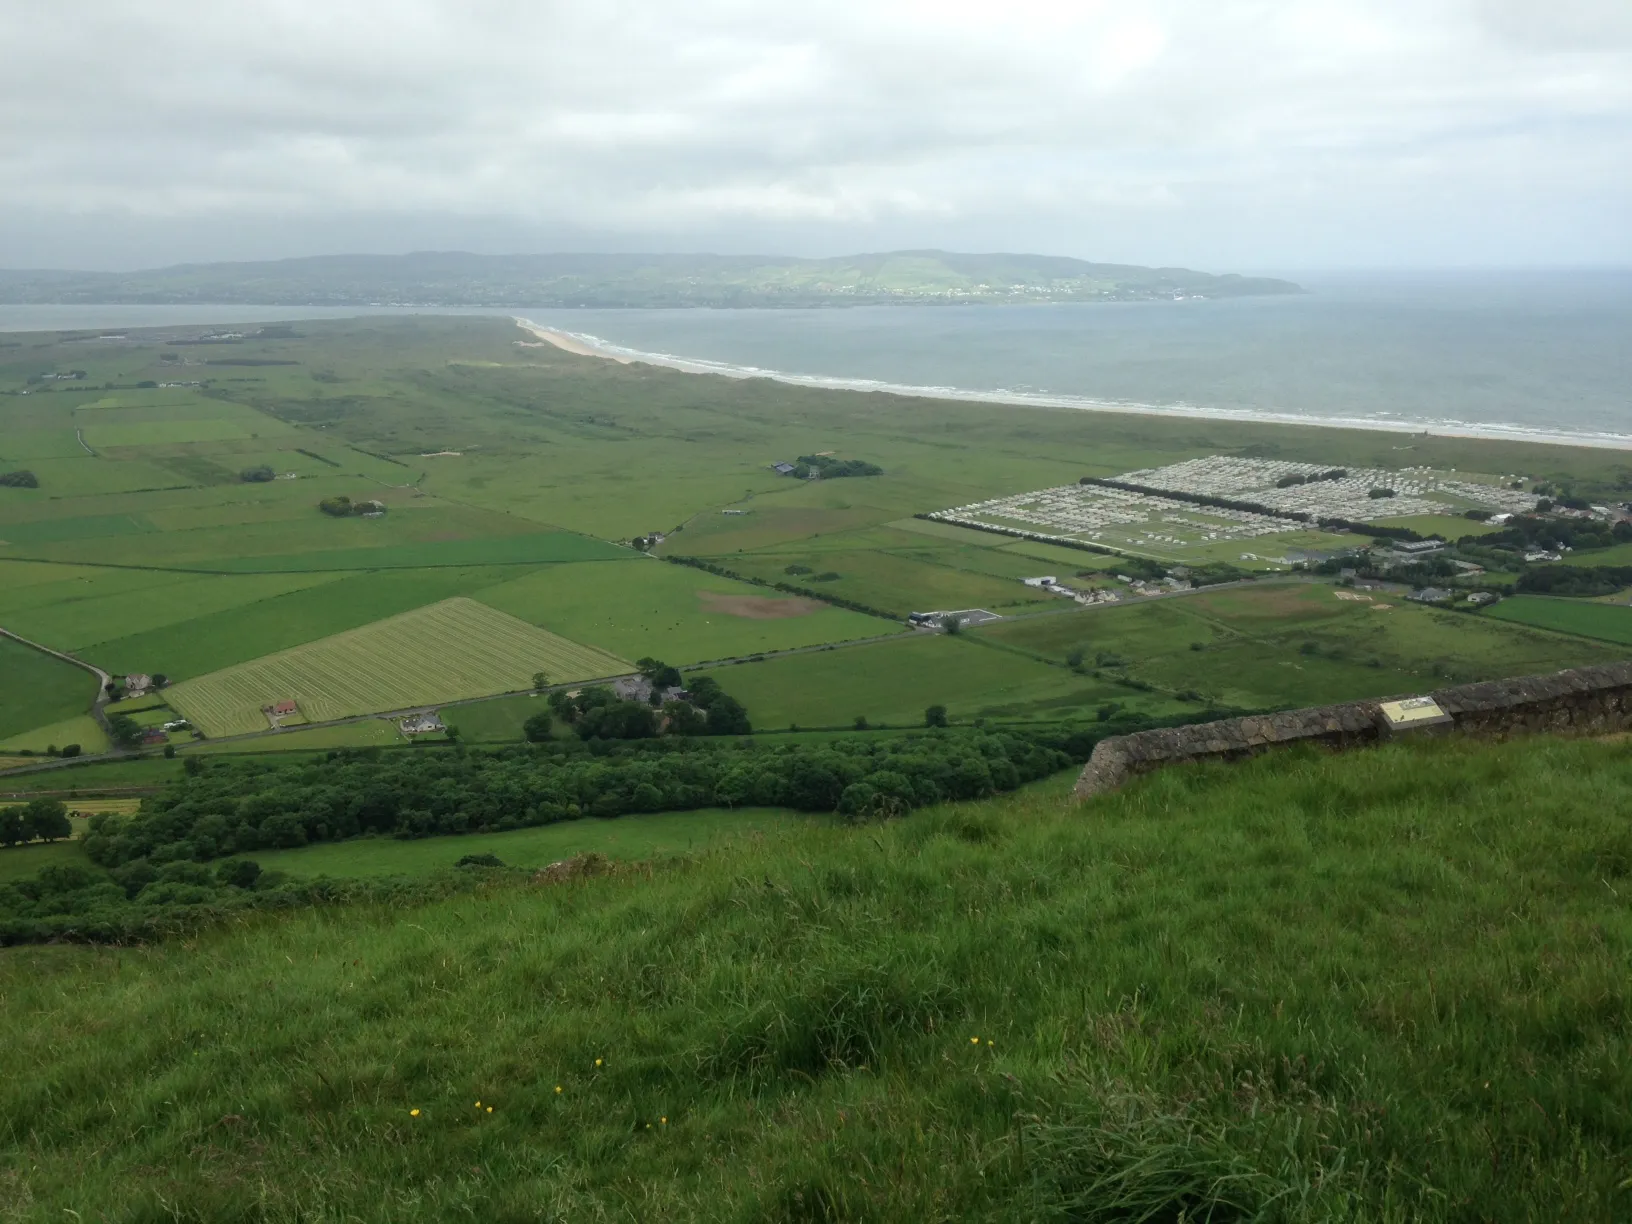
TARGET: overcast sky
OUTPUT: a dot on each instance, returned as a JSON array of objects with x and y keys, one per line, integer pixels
[{"x": 1222, "y": 134}]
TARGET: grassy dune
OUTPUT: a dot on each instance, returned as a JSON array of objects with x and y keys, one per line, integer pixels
[
  {"x": 453, "y": 649},
  {"x": 1385, "y": 986}
]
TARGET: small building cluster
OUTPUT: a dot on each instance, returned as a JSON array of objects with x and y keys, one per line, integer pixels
[
  {"x": 966, "y": 618},
  {"x": 425, "y": 722}
]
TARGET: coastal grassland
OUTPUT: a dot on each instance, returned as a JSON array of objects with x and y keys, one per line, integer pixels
[
  {"x": 534, "y": 548},
  {"x": 207, "y": 643},
  {"x": 1609, "y": 622},
  {"x": 895, "y": 681},
  {"x": 893, "y": 581},
  {"x": 297, "y": 536},
  {"x": 681, "y": 615},
  {"x": 1382, "y": 985},
  {"x": 441, "y": 652},
  {"x": 1294, "y": 644},
  {"x": 36, "y": 689},
  {"x": 634, "y": 836},
  {"x": 90, "y": 476}
]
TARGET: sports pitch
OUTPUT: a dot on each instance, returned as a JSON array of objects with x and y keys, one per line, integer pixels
[{"x": 450, "y": 650}]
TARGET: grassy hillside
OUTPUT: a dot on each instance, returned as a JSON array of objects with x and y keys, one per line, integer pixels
[{"x": 1385, "y": 986}]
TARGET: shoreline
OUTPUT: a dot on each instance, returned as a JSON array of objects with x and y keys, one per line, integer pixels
[{"x": 585, "y": 345}]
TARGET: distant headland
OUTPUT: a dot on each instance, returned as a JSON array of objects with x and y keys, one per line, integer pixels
[{"x": 455, "y": 278}]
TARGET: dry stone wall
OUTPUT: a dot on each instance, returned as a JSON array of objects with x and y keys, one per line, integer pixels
[{"x": 1582, "y": 701}]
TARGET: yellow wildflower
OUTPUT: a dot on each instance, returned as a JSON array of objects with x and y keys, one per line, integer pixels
[
  {"x": 558, "y": 1089},
  {"x": 974, "y": 1041},
  {"x": 413, "y": 1113},
  {"x": 490, "y": 1109},
  {"x": 597, "y": 1062}
]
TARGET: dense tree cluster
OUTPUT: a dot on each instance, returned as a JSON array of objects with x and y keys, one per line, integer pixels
[
  {"x": 20, "y": 479},
  {"x": 257, "y": 475},
  {"x": 1578, "y": 580},
  {"x": 36, "y": 820},
  {"x": 829, "y": 468},
  {"x": 1551, "y": 534},
  {"x": 342, "y": 506},
  {"x": 598, "y": 712},
  {"x": 241, "y": 806}
]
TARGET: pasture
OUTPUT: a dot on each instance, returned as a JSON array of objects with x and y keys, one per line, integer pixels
[
  {"x": 682, "y": 615},
  {"x": 1293, "y": 644},
  {"x": 442, "y": 652},
  {"x": 82, "y": 729},
  {"x": 37, "y": 690},
  {"x": 893, "y": 682},
  {"x": 1608, "y": 622},
  {"x": 311, "y": 610}
]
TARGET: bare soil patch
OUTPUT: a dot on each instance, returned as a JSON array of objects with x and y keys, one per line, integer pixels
[{"x": 757, "y": 607}]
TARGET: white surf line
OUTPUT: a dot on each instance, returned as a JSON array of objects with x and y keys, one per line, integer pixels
[{"x": 586, "y": 345}]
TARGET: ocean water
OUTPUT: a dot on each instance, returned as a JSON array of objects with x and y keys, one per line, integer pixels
[
  {"x": 1544, "y": 355},
  {"x": 1538, "y": 355}
]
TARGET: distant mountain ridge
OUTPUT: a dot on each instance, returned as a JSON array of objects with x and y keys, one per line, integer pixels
[{"x": 456, "y": 278}]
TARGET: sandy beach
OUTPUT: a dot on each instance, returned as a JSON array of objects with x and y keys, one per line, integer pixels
[
  {"x": 592, "y": 346},
  {"x": 565, "y": 342}
]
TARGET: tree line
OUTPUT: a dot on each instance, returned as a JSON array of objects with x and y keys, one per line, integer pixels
[{"x": 234, "y": 807}]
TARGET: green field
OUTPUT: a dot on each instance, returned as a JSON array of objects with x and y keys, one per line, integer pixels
[
  {"x": 682, "y": 615},
  {"x": 635, "y": 836},
  {"x": 1610, "y": 622},
  {"x": 442, "y": 652},
  {"x": 36, "y": 689},
  {"x": 316, "y": 607},
  {"x": 373, "y": 732},
  {"x": 894, "y": 682}
]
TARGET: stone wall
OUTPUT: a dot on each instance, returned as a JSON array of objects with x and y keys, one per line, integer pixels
[{"x": 1583, "y": 701}]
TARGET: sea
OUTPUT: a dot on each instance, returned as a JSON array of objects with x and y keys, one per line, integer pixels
[{"x": 1544, "y": 356}]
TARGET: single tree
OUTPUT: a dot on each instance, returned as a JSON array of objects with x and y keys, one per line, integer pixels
[
  {"x": 124, "y": 730},
  {"x": 952, "y": 623},
  {"x": 537, "y": 727},
  {"x": 541, "y": 681},
  {"x": 935, "y": 716}
]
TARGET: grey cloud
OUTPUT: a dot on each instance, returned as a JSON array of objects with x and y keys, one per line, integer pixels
[{"x": 1261, "y": 132}]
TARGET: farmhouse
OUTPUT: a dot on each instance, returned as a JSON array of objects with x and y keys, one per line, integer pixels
[
  {"x": 281, "y": 709},
  {"x": 151, "y": 738},
  {"x": 137, "y": 684},
  {"x": 423, "y": 723}
]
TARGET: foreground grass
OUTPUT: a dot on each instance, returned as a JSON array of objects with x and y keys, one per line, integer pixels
[{"x": 1386, "y": 986}]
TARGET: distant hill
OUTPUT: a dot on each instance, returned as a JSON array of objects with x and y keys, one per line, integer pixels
[{"x": 455, "y": 278}]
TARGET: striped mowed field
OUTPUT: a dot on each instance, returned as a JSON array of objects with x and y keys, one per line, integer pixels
[{"x": 442, "y": 652}]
